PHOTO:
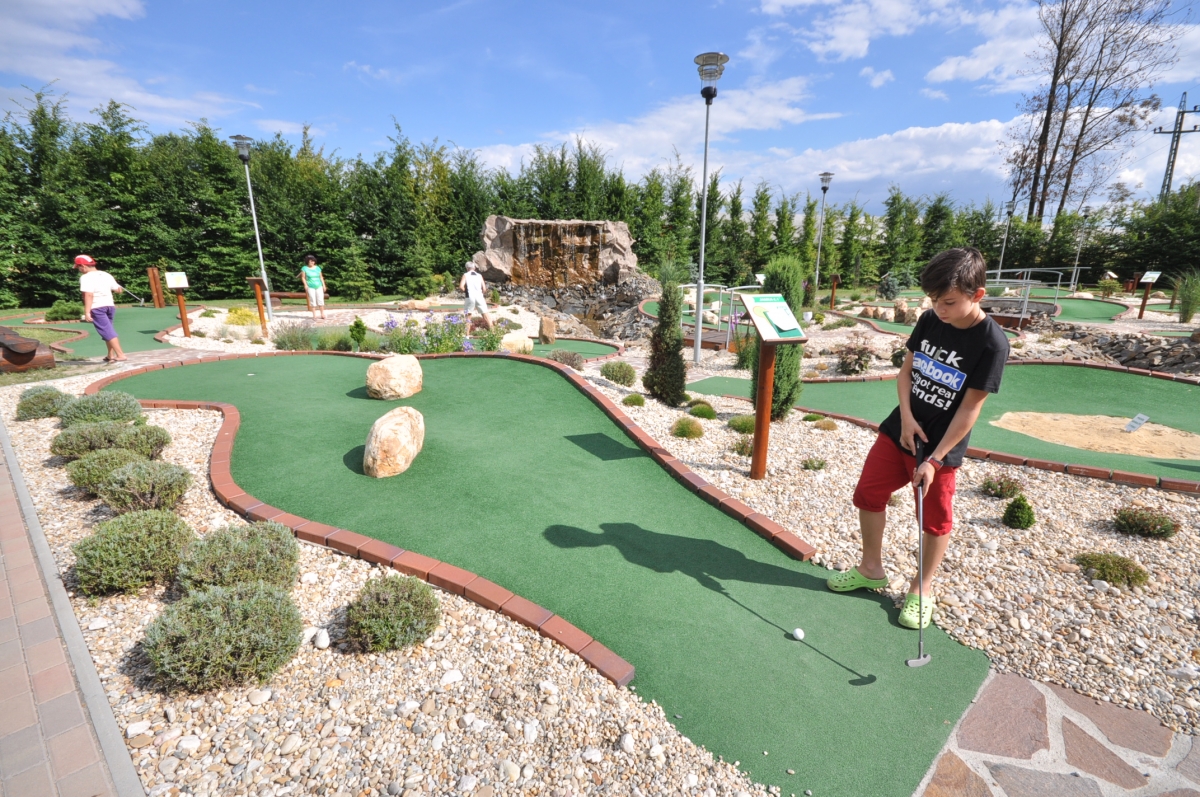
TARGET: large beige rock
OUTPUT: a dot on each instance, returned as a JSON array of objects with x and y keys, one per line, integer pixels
[
  {"x": 911, "y": 315},
  {"x": 393, "y": 443},
  {"x": 414, "y": 304},
  {"x": 867, "y": 312},
  {"x": 900, "y": 305},
  {"x": 885, "y": 314},
  {"x": 395, "y": 377},
  {"x": 555, "y": 254},
  {"x": 547, "y": 332},
  {"x": 517, "y": 343},
  {"x": 926, "y": 303}
]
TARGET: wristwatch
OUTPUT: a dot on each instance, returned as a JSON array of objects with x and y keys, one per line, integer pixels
[{"x": 936, "y": 463}]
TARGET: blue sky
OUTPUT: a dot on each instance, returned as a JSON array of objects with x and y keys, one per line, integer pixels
[{"x": 915, "y": 92}]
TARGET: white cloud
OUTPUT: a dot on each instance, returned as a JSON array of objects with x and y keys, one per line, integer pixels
[
  {"x": 877, "y": 79},
  {"x": 43, "y": 41},
  {"x": 287, "y": 128},
  {"x": 1011, "y": 34},
  {"x": 253, "y": 89},
  {"x": 935, "y": 94},
  {"x": 1187, "y": 69},
  {"x": 384, "y": 74},
  {"x": 841, "y": 30}
]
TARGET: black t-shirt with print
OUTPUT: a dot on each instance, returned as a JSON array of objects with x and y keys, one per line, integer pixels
[{"x": 946, "y": 362}]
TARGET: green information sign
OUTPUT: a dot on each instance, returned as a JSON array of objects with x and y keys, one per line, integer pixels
[{"x": 773, "y": 318}]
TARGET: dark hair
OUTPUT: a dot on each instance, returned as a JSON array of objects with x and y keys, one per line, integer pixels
[
  {"x": 310, "y": 258},
  {"x": 963, "y": 269}
]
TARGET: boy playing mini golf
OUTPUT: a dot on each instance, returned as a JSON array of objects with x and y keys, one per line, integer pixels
[{"x": 956, "y": 357}]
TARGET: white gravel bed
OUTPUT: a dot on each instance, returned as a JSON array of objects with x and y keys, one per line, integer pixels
[
  {"x": 1015, "y": 594},
  {"x": 485, "y": 707}
]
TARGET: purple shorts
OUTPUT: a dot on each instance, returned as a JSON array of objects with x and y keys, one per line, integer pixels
[{"x": 102, "y": 320}]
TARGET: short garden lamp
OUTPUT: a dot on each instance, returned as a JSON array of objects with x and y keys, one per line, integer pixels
[
  {"x": 826, "y": 179},
  {"x": 710, "y": 66},
  {"x": 242, "y": 144}
]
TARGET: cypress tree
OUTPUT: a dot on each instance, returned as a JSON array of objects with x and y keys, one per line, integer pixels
[
  {"x": 784, "y": 275},
  {"x": 666, "y": 373}
]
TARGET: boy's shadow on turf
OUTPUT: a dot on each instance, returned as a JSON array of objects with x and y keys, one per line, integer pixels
[{"x": 703, "y": 560}]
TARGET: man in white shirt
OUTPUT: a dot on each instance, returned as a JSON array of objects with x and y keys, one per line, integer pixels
[
  {"x": 472, "y": 284},
  {"x": 97, "y": 288}
]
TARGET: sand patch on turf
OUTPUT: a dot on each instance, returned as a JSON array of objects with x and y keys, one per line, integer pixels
[{"x": 1103, "y": 433}]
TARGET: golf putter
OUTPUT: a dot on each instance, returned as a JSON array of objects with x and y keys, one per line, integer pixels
[{"x": 922, "y": 657}]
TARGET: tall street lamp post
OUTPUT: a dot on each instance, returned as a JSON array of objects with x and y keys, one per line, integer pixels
[
  {"x": 1087, "y": 211},
  {"x": 1009, "y": 206},
  {"x": 710, "y": 66},
  {"x": 826, "y": 179},
  {"x": 242, "y": 143}
]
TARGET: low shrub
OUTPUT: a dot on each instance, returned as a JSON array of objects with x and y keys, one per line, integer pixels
[
  {"x": 224, "y": 637},
  {"x": 131, "y": 551},
  {"x": 1004, "y": 487},
  {"x": 63, "y": 310},
  {"x": 687, "y": 428},
  {"x": 1018, "y": 344},
  {"x": 855, "y": 296},
  {"x": 79, "y": 440},
  {"x": 743, "y": 424},
  {"x": 208, "y": 313},
  {"x": 1145, "y": 522},
  {"x": 691, "y": 402},
  {"x": 704, "y": 411},
  {"x": 334, "y": 340},
  {"x": 196, "y": 333},
  {"x": 149, "y": 441},
  {"x": 813, "y": 463},
  {"x": 743, "y": 446},
  {"x": 995, "y": 290},
  {"x": 93, "y": 468},
  {"x": 391, "y": 613},
  {"x": 358, "y": 333},
  {"x": 826, "y": 425},
  {"x": 855, "y": 356},
  {"x": 42, "y": 401},
  {"x": 490, "y": 339},
  {"x": 1108, "y": 287},
  {"x": 239, "y": 554},
  {"x": 294, "y": 336},
  {"x": 841, "y": 323},
  {"x": 898, "y": 357},
  {"x": 144, "y": 485},
  {"x": 620, "y": 372},
  {"x": 1113, "y": 568},
  {"x": 634, "y": 400},
  {"x": 818, "y": 317},
  {"x": 107, "y": 405},
  {"x": 1019, "y": 514},
  {"x": 812, "y": 416},
  {"x": 571, "y": 359},
  {"x": 241, "y": 316}
]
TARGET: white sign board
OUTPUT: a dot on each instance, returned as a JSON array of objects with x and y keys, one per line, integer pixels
[
  {"x": 1136, "y": 423},
  {"x": 1151, "y": 276},
  {"x": 176, "y": 280},
  {"x": 773, "y": 318}
]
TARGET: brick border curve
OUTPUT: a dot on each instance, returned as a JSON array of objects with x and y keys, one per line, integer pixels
[{"x": 455, "y": 579}]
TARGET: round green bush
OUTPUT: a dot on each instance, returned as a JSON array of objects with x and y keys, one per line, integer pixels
[
  {"x": 620, "y": 372},
  {"x": 688, "y": 428},
  {"x": 149, "y": 441},
  {"x": 1113, "y": 568},
  {"x": 239, "y": 554},
  {"x": 704, "y": 411},
  {"x": 144, "y": 485},
  {"x": 390, "y": 613},
  {"x": 131, "y": 551},
  {"x": 742, "y": 424},
  {"x": 634, "y": 400},
  {"x": 79, "y": 440},
  {"x": 64, "y": 310},
  {"x": 812, "y": 416},
  {"x": 93, "y": 468},
  {"x": 107, "y": 405},
  {"x": 42, "y": 401},
  {"x": 571, "y": 359},
  {"x": 224, "y": 637},
  {"x": 1145, "y": 522},
  {"x": 1019, "y": 514}
]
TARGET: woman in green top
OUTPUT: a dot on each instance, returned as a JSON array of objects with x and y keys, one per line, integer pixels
[{"x": 314, "y": 285}]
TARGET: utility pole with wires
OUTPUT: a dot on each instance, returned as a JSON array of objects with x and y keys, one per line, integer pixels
[{"x": 1175, "y": 134}]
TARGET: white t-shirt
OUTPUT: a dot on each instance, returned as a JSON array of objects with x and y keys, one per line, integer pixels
[
  {"x": 474, "y": 286},
  {"x": 100, "y": 284}
]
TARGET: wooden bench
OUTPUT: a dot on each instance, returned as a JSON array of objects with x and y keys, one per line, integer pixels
[{"x": 19, "y": 353}]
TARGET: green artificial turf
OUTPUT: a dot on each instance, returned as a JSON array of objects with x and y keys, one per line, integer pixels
[
  {"x": 586, "y": 348},
  {"x": 523, "y": 480},
  {"x": 1088, "y": 311},
  {"x": 135, "y": 326},
  {"x": 1028, "y": 388}
]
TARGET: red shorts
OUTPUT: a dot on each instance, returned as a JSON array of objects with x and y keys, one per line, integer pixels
[{"x": 887, "y": 469}]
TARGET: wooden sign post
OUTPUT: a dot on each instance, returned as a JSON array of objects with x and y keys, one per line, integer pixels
[
  {"x": 1148, "y": 279},
  {"x": 834, "y": 281},
  {"x": 776, "y": 326},
  {"x": 259, "y": 284},
  {"x": 156, "y": 291},
  {"x": 177, "y": 281}
]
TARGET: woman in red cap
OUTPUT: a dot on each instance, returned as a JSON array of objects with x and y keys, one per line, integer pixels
[{"x": 97, "y": 288}]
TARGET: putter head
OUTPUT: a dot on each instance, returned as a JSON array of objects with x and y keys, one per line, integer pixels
[{"x": 920, "y": 661}]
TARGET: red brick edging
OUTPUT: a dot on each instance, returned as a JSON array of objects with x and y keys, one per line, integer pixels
[{"x": 461, "y": 582}]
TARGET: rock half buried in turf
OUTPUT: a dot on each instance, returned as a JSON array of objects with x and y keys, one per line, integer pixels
[
  {"x": 393, "y": 443},
  {"x": 517, "y": 343},
  {"x": 395, "y": 377}
]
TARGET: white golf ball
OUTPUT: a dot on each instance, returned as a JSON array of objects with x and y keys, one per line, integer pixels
[{"x": 798, "y": 633}]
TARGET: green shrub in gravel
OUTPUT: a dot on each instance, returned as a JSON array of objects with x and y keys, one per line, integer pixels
[
  {"x": 571, "y": 359},
  {"x": 813, "y": 463},
  {"x": 687, "y": 428},
  {"x": 238, "y": 554},
  {"x": 898, "y": 357},
  {"x": 131, "y": 551},
  {"x": 1145, "y": 522},
  {"x": 704, "y": 411},
  {"x": 391, "y": 613},
  {"x": 743, "y": 446},
  {"x": 224, "y": 637},
  {"x": 93, "y": 468},
  {"x": 42, "y": 401},
  {"x": 149, "y": 441},
  {"x": 619, "y": 372},
  {"x": 743, "y": 424},
  {"x": 812, "y": 416},
  {"x": 107, "y": 405},
  {"x": 144, "y": 485},
  {"x": 1019, "y": 514},
  {"x": 1004, "y": 487},
  {"x": 86, "y": 437},
  {"x": 634, "y": 400},
  {"x": 1113, "y": 568},
  {"x": 64, "y": 310}
]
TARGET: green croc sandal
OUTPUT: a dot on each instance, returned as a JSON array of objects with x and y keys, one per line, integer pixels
[
  {"x": 852, "y": 580},
  {"x": 908, "y": 615}
]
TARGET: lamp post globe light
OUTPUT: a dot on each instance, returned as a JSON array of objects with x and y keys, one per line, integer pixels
[
  {"x": 710, "y": 66},
  {"x": 242, "y": 144},
  {"x": 1087, "y": 211},
  {"x": 826, "y": 179}
]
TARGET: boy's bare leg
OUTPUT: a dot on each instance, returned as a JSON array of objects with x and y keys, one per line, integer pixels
[
  {"x": 935, "y": 549},
  {"x": 871, "y": 524}
]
